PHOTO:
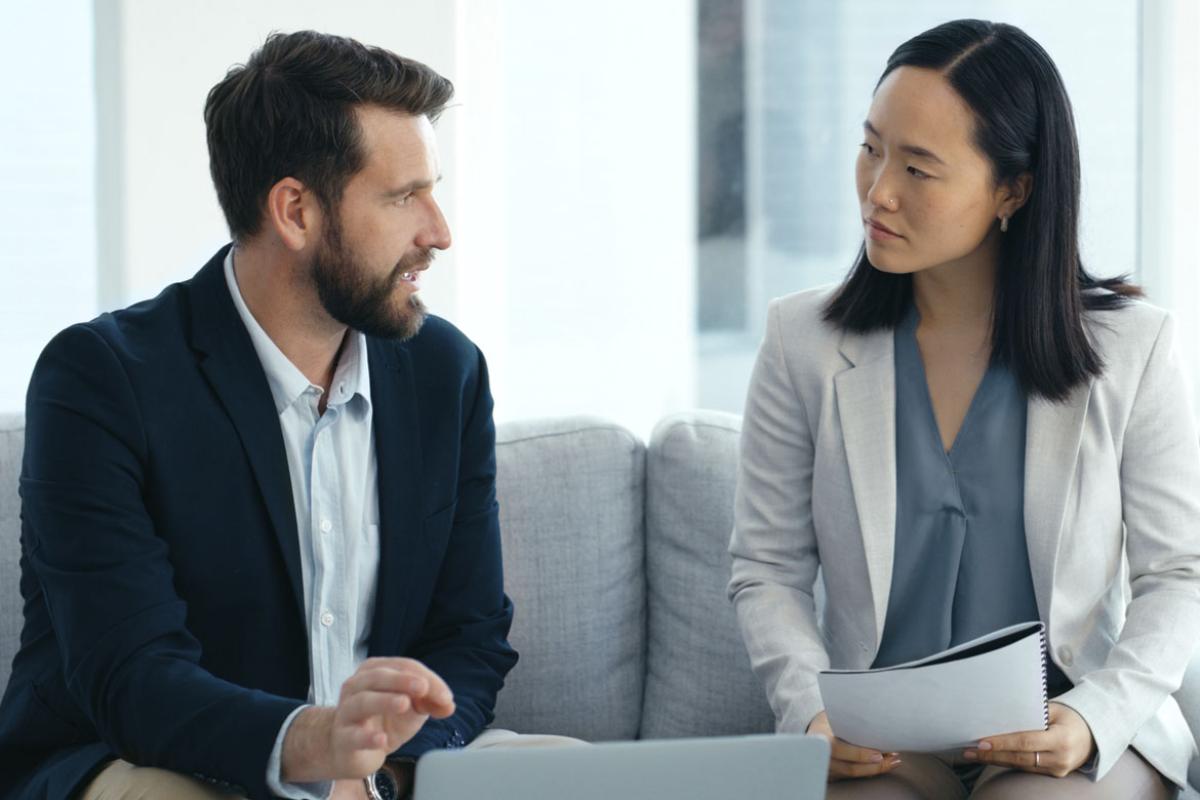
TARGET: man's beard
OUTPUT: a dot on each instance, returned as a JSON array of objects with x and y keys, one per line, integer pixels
[{"x": 355, "y": 299}]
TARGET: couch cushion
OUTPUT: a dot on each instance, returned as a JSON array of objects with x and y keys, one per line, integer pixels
[
  {"x": 699, "y": 681},
  {"x": 12, "y": 441},
  {"x": 571, "y": 514}
]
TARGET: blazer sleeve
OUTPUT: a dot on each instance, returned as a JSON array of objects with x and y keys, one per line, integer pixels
[
  {"x": 774, "y": 545},
  {"x": 464, "y": 639},
  {"x": 1160, "y": 498},
  {"x": 128, "y": 658}
]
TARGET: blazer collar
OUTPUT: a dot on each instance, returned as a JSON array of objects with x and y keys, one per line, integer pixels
[
  {"x": 230, "y": 365},
  {"x": 401, "y": 490},
  {"x": 1053, "y": 433},
  {"x": 866, "y": 403}
]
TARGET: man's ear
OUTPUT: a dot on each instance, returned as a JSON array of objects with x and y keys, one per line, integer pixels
[
  {"x": 1015, "y": 194},
  {"x": 293, "y": 214}
]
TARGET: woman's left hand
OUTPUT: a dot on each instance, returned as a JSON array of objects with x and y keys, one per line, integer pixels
[{"x": 1059, "y": 750}]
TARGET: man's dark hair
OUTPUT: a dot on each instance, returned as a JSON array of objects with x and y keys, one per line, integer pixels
[
  {"x": 1023, "y": 124},
  {"x": 289, "y": 112}
]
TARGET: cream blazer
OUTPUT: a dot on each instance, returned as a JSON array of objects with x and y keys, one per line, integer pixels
[{"x": 1112, "y": 522}]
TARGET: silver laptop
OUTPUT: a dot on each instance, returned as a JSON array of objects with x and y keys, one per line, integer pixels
[{"x": 781, "y": 767}]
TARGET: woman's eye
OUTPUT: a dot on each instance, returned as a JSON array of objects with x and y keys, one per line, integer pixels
[
  {"x": 403, "y": 201},
  {"x": 870, "y": 150},
  {"x": 916, "y": 173}
]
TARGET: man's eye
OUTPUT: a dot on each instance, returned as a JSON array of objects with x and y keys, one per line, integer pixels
[
  {"x": 870, "y": 150},
  {"x": 916, "y": 173}
]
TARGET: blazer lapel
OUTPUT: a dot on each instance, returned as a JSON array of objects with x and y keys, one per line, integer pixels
[
  {"x": 1053, "y": 432},
  {"x": 866, "y": 403},
  {"x": 231, "y": 366},
  {"x": 400, "y": 473}
]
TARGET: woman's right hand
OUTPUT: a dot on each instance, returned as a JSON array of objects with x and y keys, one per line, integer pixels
[{"x": 849, "y": 761}]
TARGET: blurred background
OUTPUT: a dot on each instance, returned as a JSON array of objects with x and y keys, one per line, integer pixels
[{"x": 628, "y": 182}]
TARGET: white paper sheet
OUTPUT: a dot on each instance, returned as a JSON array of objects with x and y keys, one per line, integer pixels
[{"x": 950, "y": 700}]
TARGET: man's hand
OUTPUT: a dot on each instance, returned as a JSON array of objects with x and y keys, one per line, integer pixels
[
  {"x": 1059, "y": 750},
  {"x": 381, "y": 707},
  {"x": 848, "y": 761}
]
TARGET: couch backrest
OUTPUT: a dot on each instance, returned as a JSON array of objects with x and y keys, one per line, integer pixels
[
  {"x": 571, "y": 514},
  {"x": 590, "y": 519},
  {"x": 698, "y": 678}
]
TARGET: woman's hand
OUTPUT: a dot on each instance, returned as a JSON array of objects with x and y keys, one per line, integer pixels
[
  {"x": 1059, "y": 750},
  {"x": 848, "y": 761}
]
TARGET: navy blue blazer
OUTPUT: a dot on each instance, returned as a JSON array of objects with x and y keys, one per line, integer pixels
[{"x": 160, "y": 566}]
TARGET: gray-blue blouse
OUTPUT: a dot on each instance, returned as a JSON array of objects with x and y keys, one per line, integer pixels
[{"x": 961, "y": 567}]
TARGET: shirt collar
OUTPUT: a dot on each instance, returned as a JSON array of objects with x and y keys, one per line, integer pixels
[{"x": 351, "y": 378}]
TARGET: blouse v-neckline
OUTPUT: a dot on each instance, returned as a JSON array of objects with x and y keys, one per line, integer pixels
[{"x": 910, "y": 331}]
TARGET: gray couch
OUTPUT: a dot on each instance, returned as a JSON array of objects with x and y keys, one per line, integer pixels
[{"x": 615, "y": 557}]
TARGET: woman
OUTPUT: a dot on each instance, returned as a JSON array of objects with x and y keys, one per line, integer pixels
[{"x": 971, "y": 431}]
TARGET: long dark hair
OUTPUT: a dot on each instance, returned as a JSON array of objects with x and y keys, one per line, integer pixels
[{"x": 1023, "y": 124}]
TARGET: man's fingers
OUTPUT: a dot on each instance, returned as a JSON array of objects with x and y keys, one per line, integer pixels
[
  {"x": 438, "y": 708},
  {"x": 400, "y": 675},
  {"x": 386, "y": 679},
  {"x": 407, "y": 665},
  {"x": 368, "y": 737},
  {"x": 361, "y": 706},
  {"x": 438, "y": 691}
]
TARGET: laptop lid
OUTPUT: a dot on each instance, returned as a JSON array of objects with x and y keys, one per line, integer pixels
[{"x": 775, "y": 766}]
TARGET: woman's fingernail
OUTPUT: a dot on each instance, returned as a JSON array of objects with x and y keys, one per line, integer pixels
[
  {"x": 985, "y": 745},
  {"x": 970, "y": 754},
  {"x": 877, "y": 757}
]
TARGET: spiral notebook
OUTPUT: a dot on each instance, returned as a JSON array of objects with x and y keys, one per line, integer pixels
[{"x": 988, "y": 686}]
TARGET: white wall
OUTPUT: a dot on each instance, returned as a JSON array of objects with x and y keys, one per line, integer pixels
[
  {"x": 47, "y": 172},
  {"x": 157, "y": 62},
  {"x": 568, "y": 163}
]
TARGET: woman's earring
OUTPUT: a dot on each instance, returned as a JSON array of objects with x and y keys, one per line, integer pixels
[{"x": 1004, "y": 224}]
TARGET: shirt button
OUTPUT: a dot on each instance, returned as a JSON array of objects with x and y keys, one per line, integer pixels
[
  {"x": 1065, "y": 656},
  {"x": 326, "y": 526},
  {"x": 327, "y": 619}
]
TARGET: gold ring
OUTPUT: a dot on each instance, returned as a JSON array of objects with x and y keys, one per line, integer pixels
[{"x": 1037, "y": 760}]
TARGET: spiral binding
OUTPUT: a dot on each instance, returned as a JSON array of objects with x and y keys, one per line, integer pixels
[{"x": 1045, "y": 701}]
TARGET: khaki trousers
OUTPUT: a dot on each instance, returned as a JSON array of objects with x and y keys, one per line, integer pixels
[
  {"x": 121, "y": 780},
  {"x": 932, "y": 777}
]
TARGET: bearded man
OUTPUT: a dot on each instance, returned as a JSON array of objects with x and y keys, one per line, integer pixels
[{"x": 260, "y": 543}]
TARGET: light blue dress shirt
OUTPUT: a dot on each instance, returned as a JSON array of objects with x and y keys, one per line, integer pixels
[{"x": 331, "y": 461}]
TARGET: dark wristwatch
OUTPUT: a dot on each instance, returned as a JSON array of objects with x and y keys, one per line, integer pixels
[{"x": 382, "y": 786}]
